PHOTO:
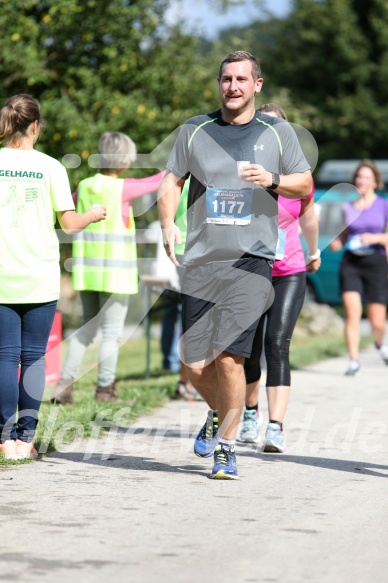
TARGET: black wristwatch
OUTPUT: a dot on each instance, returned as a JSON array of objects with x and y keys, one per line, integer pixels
[{"x": 275, "y": 181}]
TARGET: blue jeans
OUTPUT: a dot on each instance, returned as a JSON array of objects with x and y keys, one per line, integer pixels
[
  {"x": 171, "y": 333},
  {"x": 24, "y": 333}
]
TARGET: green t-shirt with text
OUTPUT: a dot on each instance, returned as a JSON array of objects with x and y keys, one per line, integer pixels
[{"x": 33, "y": 187}]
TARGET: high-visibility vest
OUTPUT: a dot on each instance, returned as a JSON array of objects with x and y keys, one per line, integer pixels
[{"x": 105, "y": 254}]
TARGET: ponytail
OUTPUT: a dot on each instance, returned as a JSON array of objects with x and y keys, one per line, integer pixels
[{"x": 16, "y": 116}]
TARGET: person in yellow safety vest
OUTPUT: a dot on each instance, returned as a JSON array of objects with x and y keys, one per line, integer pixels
[{"x": 105, "y": 264}]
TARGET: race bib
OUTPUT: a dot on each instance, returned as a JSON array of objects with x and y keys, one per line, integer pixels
[
  {"x": 228, "y": 207},
  {"x": 281, "y": 246}
]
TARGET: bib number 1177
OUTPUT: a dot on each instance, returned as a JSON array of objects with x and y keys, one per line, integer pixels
[
  {"x": 230, "y": 207},
  {"x": 225, "y": 206}
]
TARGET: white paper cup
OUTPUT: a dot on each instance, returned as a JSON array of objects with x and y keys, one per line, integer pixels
[{"x": 241, "y": 164}]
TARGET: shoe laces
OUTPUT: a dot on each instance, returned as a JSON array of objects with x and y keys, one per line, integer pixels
[
  {"x": 250, "y": 420},
  {"x": 210, "y": 428},
  {"x": 222, "y": 456},
  {"x": 274, "y": 431}
]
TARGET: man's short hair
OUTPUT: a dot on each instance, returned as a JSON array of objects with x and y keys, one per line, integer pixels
[{"x": 238, "y": 56}]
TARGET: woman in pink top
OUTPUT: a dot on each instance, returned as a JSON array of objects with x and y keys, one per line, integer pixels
[{"x": 289, "y": 282}]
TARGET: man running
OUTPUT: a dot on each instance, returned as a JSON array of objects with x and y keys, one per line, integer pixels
[{"x": 238, "y": 160}]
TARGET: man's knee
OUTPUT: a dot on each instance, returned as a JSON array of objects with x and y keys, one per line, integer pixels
[
  {"x": 198, "y": 372},
  {"x": 226, "y": 361}
]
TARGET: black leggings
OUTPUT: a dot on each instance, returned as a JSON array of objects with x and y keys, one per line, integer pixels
[{"x": 281, "y": 319}]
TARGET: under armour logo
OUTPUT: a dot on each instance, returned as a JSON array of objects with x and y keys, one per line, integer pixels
[{"x": 256, "y": 147}]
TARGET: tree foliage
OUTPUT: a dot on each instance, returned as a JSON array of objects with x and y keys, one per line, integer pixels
[
  {"x": 101, "y": 66},
  {"x": 327, "y": 64},
  {"x": 339, "y": 65},
  {"x": 116, "y": 65}
]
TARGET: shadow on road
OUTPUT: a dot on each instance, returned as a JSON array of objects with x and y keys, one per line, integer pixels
[
  {"x": 145, "y": 464},
  {"x": 359, "y": 467}
]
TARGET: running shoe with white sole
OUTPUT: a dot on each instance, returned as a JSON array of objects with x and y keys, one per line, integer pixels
[
  {"x": 225, "y": 465},
  {"x": 274, "y": 439},
  {"x": 187, "y": 392},
  {"x": 206, "y": 440},
  {"x": 252, "y": 422},
  {"x": 384, "y": 352},
  {"x": 354, "y": 367}
]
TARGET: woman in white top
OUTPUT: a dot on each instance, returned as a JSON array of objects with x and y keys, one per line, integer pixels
[{"x": 34, "y": 192}]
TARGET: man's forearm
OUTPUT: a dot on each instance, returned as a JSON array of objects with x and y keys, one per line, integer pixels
[
  {"x": 297, "y": 185},
  {"x": 168, "y": 200}
]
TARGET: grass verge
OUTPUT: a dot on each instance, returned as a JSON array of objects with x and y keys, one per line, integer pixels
[
  {"x": 305, "y": 351},
  {"x": 60, "y": 424}
]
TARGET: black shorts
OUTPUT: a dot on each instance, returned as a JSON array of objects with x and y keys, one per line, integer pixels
[
  {"x": 365, "y": 274},
  {"x": 222, "y": 304}
]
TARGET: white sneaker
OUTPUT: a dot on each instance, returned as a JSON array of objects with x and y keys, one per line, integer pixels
[
  {"x": 354, "y": 367},
  {"x": 274, "y": 439},
  {"x": 384, "y": 352},
  {"x": 250, "y": 432}
]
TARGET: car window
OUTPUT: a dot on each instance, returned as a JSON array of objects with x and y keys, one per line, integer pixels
[
  {"x": 324, "y": 218},
  {"x": 330, "y": 218},
  {"x": 334, "y": 226}
]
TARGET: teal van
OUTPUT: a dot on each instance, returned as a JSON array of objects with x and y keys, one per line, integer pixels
[
  {"x": 334, "y": 180},
  {"x": 323, "y": 286}
]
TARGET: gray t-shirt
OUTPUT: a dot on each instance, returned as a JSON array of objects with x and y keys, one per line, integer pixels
[{"x": 227, "y": 217}]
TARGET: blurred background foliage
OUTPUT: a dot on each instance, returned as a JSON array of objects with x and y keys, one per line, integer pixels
[{"x": 118, "y": 65}]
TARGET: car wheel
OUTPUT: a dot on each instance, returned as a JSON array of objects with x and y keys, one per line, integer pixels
[{"x": 309, "y": 295}]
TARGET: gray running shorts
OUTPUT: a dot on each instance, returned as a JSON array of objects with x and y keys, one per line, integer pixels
[{"x": 222, "y": 304}]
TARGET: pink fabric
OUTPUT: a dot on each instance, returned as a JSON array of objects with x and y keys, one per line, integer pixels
[
  {"x": 136, "y": 187},
  {"x": 293, "y": 261},
  {"x": 133, "y": 188}
]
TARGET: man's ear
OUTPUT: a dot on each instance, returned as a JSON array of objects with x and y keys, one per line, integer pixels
[{"x": 259, "y": 84}]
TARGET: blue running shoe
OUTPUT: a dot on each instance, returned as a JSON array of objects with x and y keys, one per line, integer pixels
[
  {"x": 274, "y": 439},
  {"x": 250, "y": 432},
  {"x": 206, "y": 439},
  {"x": 225, "y": 465}
]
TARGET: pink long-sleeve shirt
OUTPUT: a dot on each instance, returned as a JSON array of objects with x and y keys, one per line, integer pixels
[{"x": 133, "y": 188}]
